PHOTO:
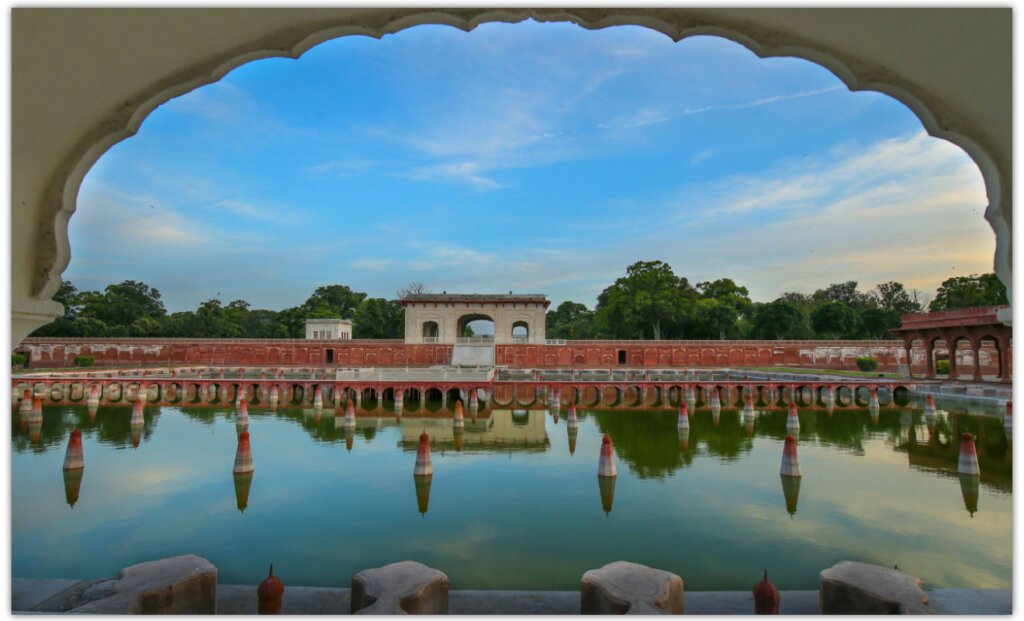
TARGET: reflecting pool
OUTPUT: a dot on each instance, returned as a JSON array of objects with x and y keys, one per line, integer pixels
[{"x": 515, "y": 501}]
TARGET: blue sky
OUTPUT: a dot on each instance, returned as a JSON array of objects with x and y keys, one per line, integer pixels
[{"x": 527, "y": 157}]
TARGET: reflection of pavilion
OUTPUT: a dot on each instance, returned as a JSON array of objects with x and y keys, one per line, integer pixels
[{"x": 522, "y": 430}]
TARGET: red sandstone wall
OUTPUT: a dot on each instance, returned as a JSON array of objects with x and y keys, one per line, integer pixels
[
  {"x": 108, "y": 352},
  {"x": 574, "y": 354},
  {"x": 605, "y": 354}
]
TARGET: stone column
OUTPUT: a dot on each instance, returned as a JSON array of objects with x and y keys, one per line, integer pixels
[
  {"x": 976, "y": 347},
  {"x": 929, "y": 349},
  {"x": 951, "y": 348},
  {"x": 1004, "y": 359}
]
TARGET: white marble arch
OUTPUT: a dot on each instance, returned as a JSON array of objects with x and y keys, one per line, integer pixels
[{"x": 84, "y": 79}]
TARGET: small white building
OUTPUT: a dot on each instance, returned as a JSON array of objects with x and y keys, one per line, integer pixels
[{"x": 328, "y": 329}]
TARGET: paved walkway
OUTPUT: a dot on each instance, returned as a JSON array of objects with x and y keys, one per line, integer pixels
[{"x": 241, "y": 600}]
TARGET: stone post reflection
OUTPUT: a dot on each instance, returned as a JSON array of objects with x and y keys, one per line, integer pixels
[
  {"x": 422, "y": 483},
  {"x": 606, "y": 486},
  {"x": 243, "y": 483},
  {"x": 74, "y": 458},
  {"x": 350, "y": 436},
  {"x": 970, "y": 485},
  {"x": 684, "y": 439},
  {"x": 572, "y": 433},
  {"x": 350, "y": 416},
  {"x": 73, "y": 484},
  {"x": 791, "y": 492},
  {"x": 243, "y": 455},
  {"x": 35, "y": 426},
  {"x": 458, "y": 422}
]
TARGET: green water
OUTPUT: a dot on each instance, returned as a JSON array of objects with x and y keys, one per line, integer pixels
[{"x": 510, "y": 507}]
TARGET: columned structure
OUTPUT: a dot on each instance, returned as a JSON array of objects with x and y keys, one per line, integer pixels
[
  {"x": 976, "y": 329},
  {"x": 443, "y": 317}
]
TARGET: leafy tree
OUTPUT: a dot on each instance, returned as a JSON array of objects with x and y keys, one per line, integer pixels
[
  {"x": 713, "y": 319},
  {"x": 780, "y": 319},
  {"x": 876, "y": 323},
  {"x": 649, "y": 300},
  {"x": 377, "y": 318},
  {"x": 145, "y": 326},
  {"x": 337, "y": 300},
  {"x": 892, "y": 296},
  {"x": 969, "y": 291},
  {"x": 845, "y": 292},
  {"x": 837, "y": 319},
  {"x": 214, "y": 321},
  {"x": 67, "y": 296},
  {"x": 123, "y": 303},
  {"x": 571, "y": 320},
  {"x": 726, "y": 292}
]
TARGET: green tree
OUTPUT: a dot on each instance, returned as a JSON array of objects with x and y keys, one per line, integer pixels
[
  {"x": 571, "y": 320},
  {"x": 377, "y": 318},
  {"x": 969, "y": 291},
  {"x": 649, "y": 301},
  {"x": 845, "y": 292},
  {"x": 875, "y": 323},
  {"x": 67, "y": 295},
  {"x": 338, "y": 300},
  {"x": 780, "y": 319},
  {"x": 892, "y": 296},
  {"x": 835, "y": 319},
  {"x": 123, "y": 303},
  {"x": 726, "y": 292},
  {"x": 713, "y": 319}
]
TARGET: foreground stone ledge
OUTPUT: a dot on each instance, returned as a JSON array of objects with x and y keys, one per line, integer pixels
[
  {"x": 407, "y": 587},
  {"x": 178, "y": 585},
  {"x": 629, "y": 588},
  {"x": 850, "y": 587}
]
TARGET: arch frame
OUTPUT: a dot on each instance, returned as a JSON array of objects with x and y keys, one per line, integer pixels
[{"x": 765, "y": 32}]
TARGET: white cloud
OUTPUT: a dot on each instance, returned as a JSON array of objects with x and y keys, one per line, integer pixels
[
  {"x": 906, "y": 209},
  {"x": 756, "y": 103},
  {"x": 463, "y": 172}
]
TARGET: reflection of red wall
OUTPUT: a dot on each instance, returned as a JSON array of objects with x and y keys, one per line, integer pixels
[{"x": 595, "y": 354}]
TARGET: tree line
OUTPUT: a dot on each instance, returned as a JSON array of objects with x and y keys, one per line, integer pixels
[
  {"x": 649, "y": 302},
  {"x": 652, "y": 302}
]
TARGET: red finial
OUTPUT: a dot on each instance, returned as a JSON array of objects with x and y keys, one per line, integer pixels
[
  {"x": 270, "y": 593},
  {"x": 766, "y": 597}
]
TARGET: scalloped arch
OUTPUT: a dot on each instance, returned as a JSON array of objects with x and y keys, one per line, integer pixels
[{"x": 52, "y": 252}]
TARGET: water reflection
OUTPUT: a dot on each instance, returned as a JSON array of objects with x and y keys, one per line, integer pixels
[
  {"x": 606, "y": 487},
  {"x": 791, "y": 492},
  {"x": 243, "y": 482},
  {"x": 649, "y": 443},
  {"x": 72, "y": 484},
  {"x": 508, "y": 460},
  {"x": 422, "y": 484}
]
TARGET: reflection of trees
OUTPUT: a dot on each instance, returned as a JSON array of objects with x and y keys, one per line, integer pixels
[
  {"x": 112, "y": 426},
  {"x": 648, "y": 441}
]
